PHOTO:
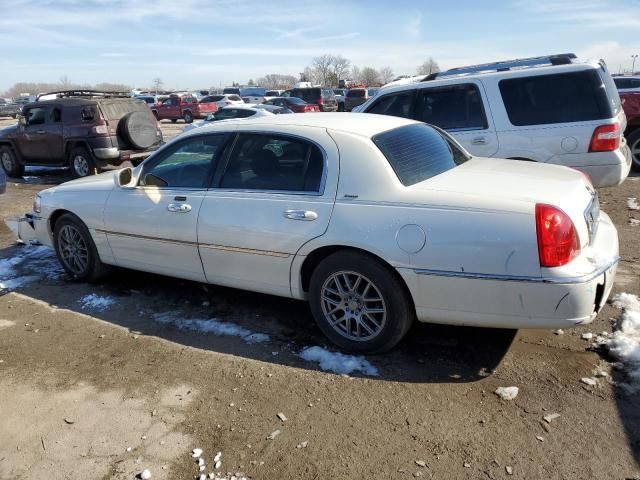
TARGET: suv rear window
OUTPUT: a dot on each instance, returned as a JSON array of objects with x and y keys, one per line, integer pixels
[
  {"x": 416, "y": 152},
  {"x": 309, "y": 95},
  {"x": 355, "y": 93},
  {"x": 558, "y": 98}
]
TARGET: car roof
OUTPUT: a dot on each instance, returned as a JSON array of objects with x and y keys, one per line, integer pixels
[{"x": 364, "y": 124}]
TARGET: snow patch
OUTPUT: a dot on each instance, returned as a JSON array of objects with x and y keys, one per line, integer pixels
[
  {"x": 211, "y": 325},
  {"x": 624, "y": 343},
  {"x": 35, "y": 262},
  {"x": 633, "y": 204},
  {"x": 338, "y": 362},
  {"x": 96, "y": 302}
]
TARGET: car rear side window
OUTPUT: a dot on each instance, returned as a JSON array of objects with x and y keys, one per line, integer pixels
[
  {"x": 275, "y": 163},
  {"x": 396, "y": 105},
  {"x": 559, "y": 98},
  {"x": 416, "y": 152},
  {"x": 453, "y": 107}
]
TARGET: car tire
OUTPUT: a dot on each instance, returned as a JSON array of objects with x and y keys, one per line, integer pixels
[
  {"x": 81, "y": 163},
  {"x": 346, "y": 285},
  {"x": 76, "y": 251},
  {"x": 634, "y": 145},
  {"x": 10, "y": 164},
  {"x": 341, "y": 107},
  {"x": 174, "y": 120},
  {"x": 155, "y": 114},
  {"x": 188, "y": 117}
]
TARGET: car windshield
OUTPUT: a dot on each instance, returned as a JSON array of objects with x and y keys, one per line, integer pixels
[
  {"x": 253, "y": 92},
  {"x": 418, "y": 152}
]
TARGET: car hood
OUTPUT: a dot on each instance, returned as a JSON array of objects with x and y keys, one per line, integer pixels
[
  {"x": 103, "y": 181},
  {"x": 9, "y": 131}
]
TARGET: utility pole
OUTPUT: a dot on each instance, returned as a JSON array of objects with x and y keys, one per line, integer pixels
[{"x": 633, "y": 64}]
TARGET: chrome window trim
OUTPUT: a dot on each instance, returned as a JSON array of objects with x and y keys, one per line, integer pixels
[{"x": 522, "y": 278}]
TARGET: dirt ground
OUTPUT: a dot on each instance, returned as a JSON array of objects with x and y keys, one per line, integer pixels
[{"x": 90, "y": 394}]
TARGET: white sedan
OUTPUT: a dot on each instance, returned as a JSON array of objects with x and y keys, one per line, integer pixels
[{"x": 375, "y": 221}]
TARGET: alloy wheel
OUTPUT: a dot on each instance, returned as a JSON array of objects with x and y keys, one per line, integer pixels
[
  {"x": 81, "y": 165},
  {"x": 7, "y": 162},
  {"x": 73, "y": 249},
  {"x": 353, "y": 306}
]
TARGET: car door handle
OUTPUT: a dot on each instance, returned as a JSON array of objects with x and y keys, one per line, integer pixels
[
  {"x": 307, "y": 215},
  {"x": 40, "y": 132},
  {"x": 179, "y": 207},
  {"x": 479, "y": 141}
]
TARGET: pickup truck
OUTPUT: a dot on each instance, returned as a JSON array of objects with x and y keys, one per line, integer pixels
[
  {"x": 184, "y": 107},
  {"x": 631, "y": 107}
]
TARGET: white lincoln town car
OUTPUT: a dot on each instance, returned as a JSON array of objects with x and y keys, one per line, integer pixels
[{"x": 374, "y": 220}]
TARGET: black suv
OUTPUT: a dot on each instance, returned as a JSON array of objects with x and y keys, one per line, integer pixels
[
  {"x": 321, "y": 96},
  {"x": 84, "y": 130}
]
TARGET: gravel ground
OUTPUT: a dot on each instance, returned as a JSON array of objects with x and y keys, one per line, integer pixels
[{"x": 90, "y": 389}]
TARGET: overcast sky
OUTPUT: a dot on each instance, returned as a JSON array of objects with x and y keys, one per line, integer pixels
[{"x": 199, "y": 43}]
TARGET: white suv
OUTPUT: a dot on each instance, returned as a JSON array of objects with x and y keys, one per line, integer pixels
[{"x": 551, "y": 109}]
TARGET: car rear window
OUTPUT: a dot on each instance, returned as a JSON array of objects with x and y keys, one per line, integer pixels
[
  {"x": 416, "y": 152},
  {"x": 358, "y": 93},
  {"x": 253, "y": 92},
  {"x": 233, "y": 90},
  {"x": 559, "y": 98},
  {"x": 309, "y": 95}
]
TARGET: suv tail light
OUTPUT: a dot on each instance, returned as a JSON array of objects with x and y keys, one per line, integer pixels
[
  {"x": 320, "y": 100},
  {"x": 100, "y": 130},
  {"x": 557, "y": 237},
  {"x": 606, "y": 138}
]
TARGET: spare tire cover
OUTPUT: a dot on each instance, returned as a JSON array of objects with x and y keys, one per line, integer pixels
[{"x": 139, "y": 129}]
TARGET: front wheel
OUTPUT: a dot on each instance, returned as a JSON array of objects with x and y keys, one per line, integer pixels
[
  {"x": 634, "y": 145},
  {"x": 80, "y": 162},
  {"x": 188, "y": 117},
  {"x": 76, "y": 251},
  {"x": 359, "y": 303}
]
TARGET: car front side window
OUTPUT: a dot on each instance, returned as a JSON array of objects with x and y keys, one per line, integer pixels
[
  {"x": 274, "y": 163},
  {"x": 36, "y": 116},
  {"x": 188, "y": 164}
]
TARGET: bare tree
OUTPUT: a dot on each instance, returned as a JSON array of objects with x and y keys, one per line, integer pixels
[
  {"x": 370, "y": 76},
  {"x": 157, "y": 84},
  {"x": 275, "y": 81},
  {"x": 65, "y": 83},
  {"x": 323, "y": 66},
  {"x": 386, "y": 75},
  {"x": 356, "y": 74},
  {"x": 340, "y": 67},
  {"x": 428, "y": 67}
]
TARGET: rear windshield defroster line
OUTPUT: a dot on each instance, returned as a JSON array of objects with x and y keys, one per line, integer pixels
[{"x": 415, "y": 152}]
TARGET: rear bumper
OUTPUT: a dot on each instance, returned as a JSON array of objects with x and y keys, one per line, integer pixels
[
  {"x": 552, "y": 300},
  {"x": 606, "y": 169}
]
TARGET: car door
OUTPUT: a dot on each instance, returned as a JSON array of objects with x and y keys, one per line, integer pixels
[
  {"x": 152, "y": 227},
  {"x": 460, "y": 110},
  {"x": 274, "y": 193},
  {"x": 32, "y": 139}
]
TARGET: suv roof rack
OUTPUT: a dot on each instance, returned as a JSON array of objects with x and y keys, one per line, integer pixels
[
  {"x": 84, "y": 93},
  {"x": 505, "y": 65}
]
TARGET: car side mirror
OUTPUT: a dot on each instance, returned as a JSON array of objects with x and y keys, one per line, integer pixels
[
  {"x": 125, "y": 178},
  {"x": 22, "y": 120}
]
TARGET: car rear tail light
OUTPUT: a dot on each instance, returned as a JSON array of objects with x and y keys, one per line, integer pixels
[
  {"x": 100, "y": 130},
  {"x": 606, "y": 138},
  {"x": 321, "y": 101},
  {"x": 557, "y": 237}
]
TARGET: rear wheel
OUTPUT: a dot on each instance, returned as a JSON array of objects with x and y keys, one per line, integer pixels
[
  {"x": 10, "y": 163},
  {"x": 634, "y": 145},
  {"x": 359, "y": 303},
  {"x": 188, "y": 117},
  {"x": 76, "y": 251},
  {"x": 341, "y": 107},
  {"x": 80, "y": 162},
  {"x": 174, "y": 120}
]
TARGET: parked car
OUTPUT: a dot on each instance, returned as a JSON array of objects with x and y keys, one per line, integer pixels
[
  {"x": 3, "y": 181},
  {"x": 231, "y": 91},
  {"x": 150, "y": 100},
  {"x": 253, "y": 94},
  {"x": 552, "y": 109},
  {"x": 358, "y": 96},
  {"x": 321, "y": 96},
  {"x": 84, "y": 130},
  {"x": 238, "y": 111},
  {"x": 340, "y": 94},
  {"x": 627, "y": 84},
  {"x": 296, "y": 105},
  {"x": 429, "y": 232},
  {"x": 223, "y": 100},
  {"x": 631, "y": 107},
  {"x": 9, "y": 108},
  {"x": 184, "y": 107}
]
